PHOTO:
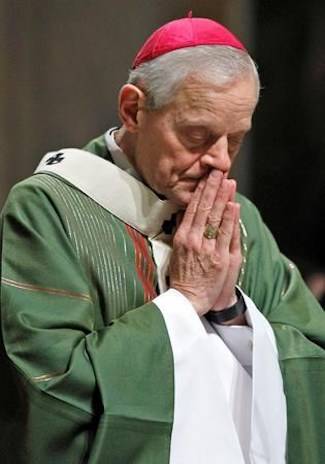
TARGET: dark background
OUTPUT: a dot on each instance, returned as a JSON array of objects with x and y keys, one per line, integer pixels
[
  {"x": 63, "y": 61},
  {"x": 289, "y": 149}
]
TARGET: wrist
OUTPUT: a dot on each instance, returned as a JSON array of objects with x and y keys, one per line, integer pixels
[
  {"x": 191, "y": 298},
  {"x": 233, "y": 314},
  {"x": 232, "y": 301}
]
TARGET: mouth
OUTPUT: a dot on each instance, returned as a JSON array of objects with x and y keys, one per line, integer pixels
[{"x": 191, "y": 180}]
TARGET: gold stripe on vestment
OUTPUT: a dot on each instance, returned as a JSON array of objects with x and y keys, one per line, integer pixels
[
  {"x": 244, "y": 237},
  {"x": 46, "y": 377},
  {"x": 51, "y": 291}
]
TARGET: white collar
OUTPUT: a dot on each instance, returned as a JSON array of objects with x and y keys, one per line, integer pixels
[
  {"x": 111, "y": 187},
  {"x": 119, "y": 157}
]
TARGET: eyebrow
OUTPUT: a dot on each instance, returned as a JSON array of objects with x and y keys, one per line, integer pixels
[
  {"x": 199, "y": 122},
  {"x": 211, "y": 127}
]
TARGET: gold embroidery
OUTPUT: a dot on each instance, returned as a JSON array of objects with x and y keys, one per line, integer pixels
[
  {"x": 46, "y": 377},
  {"x": 243, "y": 228},
  {"x": 244, "y": 236},
  {"x": 51, "y": 291}
]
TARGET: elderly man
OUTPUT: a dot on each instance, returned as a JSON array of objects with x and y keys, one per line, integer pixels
[{"x": 139, "y": 291}]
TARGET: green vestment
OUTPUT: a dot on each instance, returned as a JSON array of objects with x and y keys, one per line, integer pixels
[{"x": 86, "y": 359}]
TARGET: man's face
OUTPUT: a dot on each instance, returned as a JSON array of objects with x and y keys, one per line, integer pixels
[{"x": 202, "y": 129}]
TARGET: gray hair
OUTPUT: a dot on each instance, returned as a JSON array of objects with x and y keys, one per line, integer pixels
[{"x": 162, "y": 77}]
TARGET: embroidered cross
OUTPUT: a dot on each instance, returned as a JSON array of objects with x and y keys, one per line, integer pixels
[{"x": 55, "y": 159}]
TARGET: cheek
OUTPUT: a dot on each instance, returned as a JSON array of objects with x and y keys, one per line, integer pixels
[
  {"x": 164, "y": 161},
  {"x": 162, "y": 172}
]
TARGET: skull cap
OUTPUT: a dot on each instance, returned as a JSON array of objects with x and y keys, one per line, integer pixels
[{"x": 182, "y": 33}]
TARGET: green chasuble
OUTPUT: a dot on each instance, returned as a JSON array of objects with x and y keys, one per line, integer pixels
[{"x": 86, "y": 360}]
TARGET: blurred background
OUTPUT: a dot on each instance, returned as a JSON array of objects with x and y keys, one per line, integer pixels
[{"x": 63, "y": 61}]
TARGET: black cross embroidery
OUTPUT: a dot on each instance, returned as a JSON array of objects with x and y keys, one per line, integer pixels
[{"x": 55, "y": 159}]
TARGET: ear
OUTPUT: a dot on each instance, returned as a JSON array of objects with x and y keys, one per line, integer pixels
[{"x": 131, "y": 101}]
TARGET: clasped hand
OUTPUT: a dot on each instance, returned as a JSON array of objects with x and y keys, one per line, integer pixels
[{"x": 205, "y": 270}]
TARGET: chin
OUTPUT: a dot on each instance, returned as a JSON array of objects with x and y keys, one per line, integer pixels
[
  {"x": 179, "y": 196},
  {"x": 181, "y": 199}
]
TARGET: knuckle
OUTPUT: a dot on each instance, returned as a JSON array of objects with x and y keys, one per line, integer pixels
[
  {"x": 192, "y": 207},
  {"x": 192, "y": 242},
  {"x": 219, "y": 266},
  {"x": 179, "y": 239},
  {"x": 224, "y": 232},
  {"x": 188, "y": 241},
  {"x": 227, "y": 214},
  {"x": 214, "y": 219},
  {"x": 204, "y": 206},
  {"x": 220, "y": 260}
]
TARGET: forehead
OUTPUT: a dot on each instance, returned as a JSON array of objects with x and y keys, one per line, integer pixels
[{"x": 230, "y": 106}]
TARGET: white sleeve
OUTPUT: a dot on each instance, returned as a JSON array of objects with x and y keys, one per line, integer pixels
[
  {"x": 187, "y": 326},
  {"x": 239, "y": 340},
  {"x": 208, "y": 381},
  {"x": 184, "y": 324}
]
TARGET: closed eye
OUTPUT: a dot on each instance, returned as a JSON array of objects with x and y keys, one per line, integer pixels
[
  {"x": 235, "y": 141},
  {"x": 197, "y": 137}
]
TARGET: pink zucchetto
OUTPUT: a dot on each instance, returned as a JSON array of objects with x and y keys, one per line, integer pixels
[{"x": 182, "y": 33}]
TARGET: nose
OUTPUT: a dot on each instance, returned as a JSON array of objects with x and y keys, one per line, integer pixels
[{"x": 217, "y": 156}]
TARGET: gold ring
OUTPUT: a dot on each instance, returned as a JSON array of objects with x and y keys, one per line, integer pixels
[{"x": 210, "y": 232}]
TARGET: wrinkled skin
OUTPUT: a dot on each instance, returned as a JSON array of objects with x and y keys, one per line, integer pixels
[
  {"x": 184, "y": 152},
  {"x": 206, "y": 270}
]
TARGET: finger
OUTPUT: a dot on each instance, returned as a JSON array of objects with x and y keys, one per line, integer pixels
[
  {"x": 207, "y": 200},
  {"x": 189, "y": 214},
  {"x": 224, "y": 195},
  {"x": 226, "y": 228},
  {"x": 235, "y": 245},
  {"x": 234, "y": 263},
  {"x": 233, "y": 190}
]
